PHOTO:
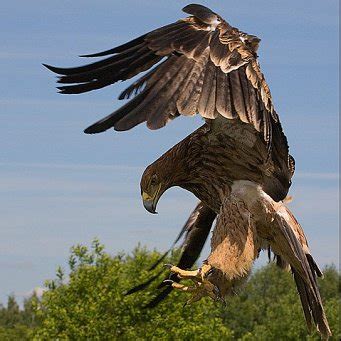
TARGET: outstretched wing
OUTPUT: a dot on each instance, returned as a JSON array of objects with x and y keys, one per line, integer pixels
[
  {"x": 287, "y": 240},
  {"x": 201, "y": 64},
  {"x": 196, "y": 230}
]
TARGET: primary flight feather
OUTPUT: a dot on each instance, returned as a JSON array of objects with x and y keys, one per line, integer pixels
[{"x": 199, "y": 64}]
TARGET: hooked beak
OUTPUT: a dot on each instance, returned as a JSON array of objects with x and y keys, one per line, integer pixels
[
  {"x": 149, "y": 206},
  {"x": 149, "y": 202}
]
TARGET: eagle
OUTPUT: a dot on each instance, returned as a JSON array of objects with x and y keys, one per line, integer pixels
[
  {"x": 248, "y": 220},
  {"x": 238, "y": 163}
]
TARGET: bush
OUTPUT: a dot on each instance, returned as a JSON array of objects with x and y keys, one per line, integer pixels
[
  {"x": 91, "y": 305},
  {"x": 88, "y": 304}
]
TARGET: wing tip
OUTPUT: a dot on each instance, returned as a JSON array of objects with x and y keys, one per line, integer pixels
[
  {"x": 93, "y": 129},
  {"x": 201, "y": 12},
  {"x": 50, "y": 67}
]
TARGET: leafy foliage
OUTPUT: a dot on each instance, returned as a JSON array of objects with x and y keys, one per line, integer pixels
[
  {"x": 269, "y": 308},
  {"x": 88, "y": 303},
  {"x": 91, "y": 305},
  {"x": 16, "y": 323}
]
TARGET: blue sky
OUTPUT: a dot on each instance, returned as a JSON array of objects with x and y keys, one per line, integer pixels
[{"x": 59, "y": 186}]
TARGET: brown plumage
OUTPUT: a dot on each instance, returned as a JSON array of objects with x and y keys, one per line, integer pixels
[
  {"x": 199, "y": 64},
  {"x": 266, "y": 223},
  {"x": 244, "y": 188},
  {"x": 221, "y": 151},
  {"x": 217, "y": 154},
  {"x": 249, "y": 220},
  {"x": 208, "y": 161}
]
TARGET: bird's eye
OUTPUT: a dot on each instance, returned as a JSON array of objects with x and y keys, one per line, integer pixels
[{"x": 153, "y": 180}]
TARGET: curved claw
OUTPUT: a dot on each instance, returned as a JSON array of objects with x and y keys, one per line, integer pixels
[
  {"x": 168, "y": 281},
  {"x": 208, "y": 273},
  {"x": 169, "y": 266}
]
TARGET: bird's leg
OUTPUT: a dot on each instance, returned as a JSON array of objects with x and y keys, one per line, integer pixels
[
  {"x": 202, "y": 285},
  {"x": 186, "y": 274}
]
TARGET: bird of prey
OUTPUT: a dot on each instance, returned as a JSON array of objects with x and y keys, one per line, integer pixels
[
  {"x": 206, "y": 163},
  {"x": 248, "y": 220},
  {"x": 202, "y": 64}
]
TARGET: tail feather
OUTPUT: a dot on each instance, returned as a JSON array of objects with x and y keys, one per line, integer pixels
[
  {"x": 304, "y": 297},
  {"x": 312, "y": 307},
  {"x": 313, "y": 266},
  {"x": 291, "y": 245}
]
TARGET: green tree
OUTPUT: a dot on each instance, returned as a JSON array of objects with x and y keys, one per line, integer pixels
[
  {"x": 89, "y": 304},
  {"x": 16, "y": 323},
  {"x": 268, "y": 308}
]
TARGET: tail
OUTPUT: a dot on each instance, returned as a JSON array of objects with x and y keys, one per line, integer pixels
[
  {"x": 312, "y": 307},
  {"x": 291, "y": 245}
]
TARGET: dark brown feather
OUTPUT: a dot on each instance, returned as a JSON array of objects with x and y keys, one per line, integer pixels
[
  {"x": 245, "y": 90},
  {"x": 213, "y": 44},
  {"x": 155, "y": 34},
  {"x": 238, "y": 98},
  {"x": 196, "y": 230},
  {"x": 153, "y": 99},
  {"x": 187, "y": 102},
  {"x": 119, "y": 49},
  {"x": 165, "y": 104},
  {"x": 112, "y": 64},
  {"x": 201, "y": 12},
  {"x": 110, "y": 120},
  {"x": 286, "y": 241},
  {"x": 223, "y": 101},
  {"x": 206, "y": 105}
]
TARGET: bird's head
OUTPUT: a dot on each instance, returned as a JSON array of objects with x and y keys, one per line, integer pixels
[
  {"x": 153, "y": 185},
  {"x": 171, "y": 169}
]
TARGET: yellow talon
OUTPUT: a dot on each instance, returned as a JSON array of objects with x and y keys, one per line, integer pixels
[{"x": 202, "y": 286}]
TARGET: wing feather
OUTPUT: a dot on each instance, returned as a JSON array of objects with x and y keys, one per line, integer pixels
[
  {"x": 224, "y": 80},
  {"x": 218, "y": 51},
  {"x": 245, "y": 90},
  {"x": 223, "y": 101},
  {"x": 196, "y": 230},
  {"x": 237, "y": 95},
  {"x": 253, "y": 107},
  {"x": 206, "y": 105},
  {"x": 153, "y": 96},
  {"x": 165, "y": 103},
  {"x": 187, "y": 102}
]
